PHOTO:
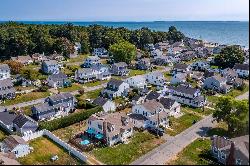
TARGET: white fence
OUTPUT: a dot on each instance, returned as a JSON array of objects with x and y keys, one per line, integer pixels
[{"x": 57, "y": 140}]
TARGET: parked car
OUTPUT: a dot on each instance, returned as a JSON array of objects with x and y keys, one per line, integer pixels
[{"x": 156, "y": 131}]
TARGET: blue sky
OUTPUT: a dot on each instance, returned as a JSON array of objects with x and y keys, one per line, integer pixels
[{"x": 124, "y": 10}]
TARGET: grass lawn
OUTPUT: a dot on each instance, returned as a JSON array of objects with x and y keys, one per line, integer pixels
[
  {"x": 80, "y": 58},
  {"x": 32, "y": 66},
  {"x": 67, "y": 132},
  {"x": 2, "y": 135},
  {"x": 74, "y": 87},
  {"x": 91, "y": 95},
  {"x": 220, "y": 130},
  {"x": 26, "y": 97},
  {"x": 96, "y": 83},
  {"x": 122, "y": 154},
  {"x": 21, "y": 88},
  {"x": 168, "y": 76},
  {"x": 197, "y": 153},
  {"x": 236, "y": 92},
  {"x": 137, "y": 72},
  {"x": 182, "y": 123},
  {"x": 212, "y": 99},
  {"x": 198, "y": 111},
  {"x": 44, "y": 149},
  {"x": 26, "y": 110}
]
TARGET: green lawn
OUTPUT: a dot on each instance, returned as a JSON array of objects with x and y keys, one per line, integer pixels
[
  {"x": 74, "y": 87},
  {"x": 182, "y": 123},
  {"x": 212, "y": 99},
  {"x": 26, "y": 110},
  {"x": 197, "y": 153},
  {"x": 44, "y": 149},
  {"x": 236, "y": 92},
  {"x": 220, "y": 129},
  {"x": 137, "y": 72},
  {"x": 122, "y": 154},
  {"x": 91, "y": 95},
  {"x": 26, "y": 97},
  {"x": 2, "y": 135},
  {"x": 96, "y": 83},
  {"x": 80, "y": 58},
  {"x": 168, "y": 76},
  {"x": 199, "y": 111}
]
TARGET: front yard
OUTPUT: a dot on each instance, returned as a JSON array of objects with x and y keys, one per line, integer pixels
[
  {"x": 96, "y": 83},
  {"x": 72, "y": 88},
  {"x": 197, "y": 153},
  {"x": 91, "y": 94},
  {"x": 137, "y": 72},
  {"x": 122, "y": 154},
  {"x": 26, "y": 97},
  {"x": 44, "y": 149}
]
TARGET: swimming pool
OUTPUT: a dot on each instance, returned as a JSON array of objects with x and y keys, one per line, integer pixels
[{"x": 85, "y": 142}]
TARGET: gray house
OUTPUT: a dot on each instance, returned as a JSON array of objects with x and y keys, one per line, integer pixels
[
  {"x": 91, "y": 60},
  {"x": 143, "y": 64},
  {"x": 24, "y": 124},
  {"x": 59, "y": 80},
  {"x": 180, "y": 68},
  {"x": 119, "y": 69},
  {"x": 217, "y": 83},
  {"x": 4, "y": 71},
  {"x": 7, "y": 90},
  {"x": 50, "y": 67},
  {"x": 54, "y": 106},
  {"x": 85, "y": 75},
  {"x": 6, "y": 120}
]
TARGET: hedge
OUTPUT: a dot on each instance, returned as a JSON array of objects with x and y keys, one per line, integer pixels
[{"x": 68, "y": 120}]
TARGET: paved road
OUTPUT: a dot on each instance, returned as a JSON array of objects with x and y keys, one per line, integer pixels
[{"x": 166, "y": 151}]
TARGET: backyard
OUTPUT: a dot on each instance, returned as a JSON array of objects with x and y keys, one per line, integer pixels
[
  {"x": 137, "y": 72},
  {"x": 72, "y": 88},
  {"x": 80, "y": 58},
  {"x": 26, "y": 97},
  {"x": 91, "y": 94},
  {"x": 197, "y": 153},
  {"x": 96, "y": 83},
  {"x": 44, "y": 149},
  {"x": 122, "y": 154}
]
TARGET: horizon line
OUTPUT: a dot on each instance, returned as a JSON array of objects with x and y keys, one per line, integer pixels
[{"x": 124, "y": 21}]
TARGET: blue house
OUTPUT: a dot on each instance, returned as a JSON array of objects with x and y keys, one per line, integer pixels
[{"x": 50, "y": 67}]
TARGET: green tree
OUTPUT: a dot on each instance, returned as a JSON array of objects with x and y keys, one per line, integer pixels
[
  {"x": 174, "y": 35},
  {"x": 30, "y": 74},
  {"x": 123, "y": 52},
  {"x": 64, "y": 46},
  {"x": 234, "y": 113},
  {"x": 229, "y": 56}
]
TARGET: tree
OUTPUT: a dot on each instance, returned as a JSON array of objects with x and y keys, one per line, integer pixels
[
  {"x": 234, "y": 113},
  {"x": 15, "y": 67},
  {"x": 174, "y": 35},
  {"x": 123, "y": 52},
  {"x": 64, "y": 46},
  {"x": 30, "y": 74},
  {"x": 229, "y": 56}
]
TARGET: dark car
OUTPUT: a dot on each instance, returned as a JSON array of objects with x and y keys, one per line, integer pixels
[{"x": 156, "y": 131}]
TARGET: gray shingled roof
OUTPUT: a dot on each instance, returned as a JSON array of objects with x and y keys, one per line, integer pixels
[
  {"x": 180, "y": 66},
  {"x": 152, "y": 95},
  {"x": 167, "y": 102},
  {"x": 241, "y": 66},
  {"x": 50, "y": 62},
  {"x": 20, "y": 120},
  {"x": 184, "y": 89},
  {"x": 13, "y": 140},
  {"x": 115, "y": 82},
  {"x": 100, "y": 101},
  {"x": 120, "y": 64},
  {"x": 6, "y": 82},
  {"x": 4, "y": 67},
  {"x": 60, "y": 96},
  {"x": 58, "y": 77},
  {"x": 43, "y": 107},
  {"x": 7, "y": 117}
]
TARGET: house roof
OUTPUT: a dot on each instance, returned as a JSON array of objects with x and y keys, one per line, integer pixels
[
  {"x": 60, "y": 96},
  {"x": 219, "y": 78},
  {"x": 138, "y": 117},
  {"x": 184, "y": 89},
  {"x": 167, "y": 102},
  {"x": 152, "y": 96},
  {"x": 241, "y": 66},
  {"x": 43, "y": 107},
  {"x": 120, "y": 64},
  {"x": 152, "y": 105},
  {"x": 13, "y": 140},
  {"x": 4, "y": 67},
  {"x": 208, "y": 73},
  {"x": 93, "y": 58},
  {"x": 180, "y": 66},
  {"x": 20, "y": 120},
  {"x": 50, "y": 62},
  {"x": 6, "y": 82},
  {"x": 58, "y": 77},
  {"x": 85, "y": 70},
  {"x": 100, "y": 101},
  {"x": 7, "y": 118},
  {"x": 115, "y": 82}
]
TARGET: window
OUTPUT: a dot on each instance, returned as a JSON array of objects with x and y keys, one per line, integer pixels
[
  {"x": 238, "y": 161},
  {"x": 100, "y": 127}
]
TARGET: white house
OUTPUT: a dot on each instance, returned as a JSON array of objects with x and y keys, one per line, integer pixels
[
  {"x": 107, "y": 105},
  {"x": 242, "y": 70},
  {"x": 16, "y": 145},
  {"x": 156, "y": 78},
  {"x": 115, "y": 88},
  {"x": 152, "y": 113},
  {"x": 137, "y": 82},
  {"x": 156, "y": 53},
  {"x": 178, "y": 78},
  {"x": 91, "y": 60},
  {"x": 102, "y": 72},
  {"x": 114, "y": 127},
  {"x": 180, "y": 68},
  {"x": 100, "y": 52},
  {"x": 174, "y": 50},
  {"x": 171, "y": 106},
  {"x": 217, "y": 83},
  {"x": 84, "y": 75},
  {"x": 200, "y": 65},
  {"x": 4, "y": 71}
]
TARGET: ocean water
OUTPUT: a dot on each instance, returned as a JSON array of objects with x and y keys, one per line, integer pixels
[{"x": 223, "y": 32}]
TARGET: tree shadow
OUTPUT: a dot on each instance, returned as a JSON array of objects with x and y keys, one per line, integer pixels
[
  {"x": 206, "y": 155},
  {"x": 203, "y": 131}
]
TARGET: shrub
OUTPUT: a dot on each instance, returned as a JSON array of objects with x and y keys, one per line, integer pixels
[{"x": 68, "y": 120}]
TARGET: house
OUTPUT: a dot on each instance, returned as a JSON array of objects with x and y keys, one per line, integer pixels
[
  {"x": 178, "y": 78},
  {"x": 156, "y": 78},
  {"x": 200, "y": 65},
  {"x": 186, "y": 95},
  {"x": 115, "y": 88},
  {"x": 100, "y": 52},
  {"x": 217, "y": 83},
  {"x": 137, "y": 82},
  {"x": 57, "y": 57},
  {"x": 54, "y": 106},
  {"x": 143, "y": 64},
  {"x": 178, "y": 44},
  {"x": 24, "y": 124},
  {"x": 50, "y": 67},
  {"x": 218, "y": 49},
  {"x": 4, "y": 71},
  {"x": 172, "y": 107},
  {"x": 39, "y": 58},
  {"x": 163, "y": 46},
  {"x": 59, "y": 80},
  {"x": 149, "y": 114},
  {"x": 7, "y": 90},
  {"x": 120, "y": 69},
  {"x": 101, "y": 71},
  {"x": 90, "y": 61},
  {"x": 174, "y": 50},
  {"x": 180, "y": 68},
  {"x": 137, "y": 100},
  {"x": 25, "y": 60},
  {"x": 242, "y": 70},
  {"x": 164, "y": 60},
  {"x": 233, "y": 151},
  {"x": 6, "y": 120},
  {"x": 107, "y": 105},
  {"x": 152, "y": 96},
  {"x": 77, "y": 49},
  {"x": 113, "y": 128},
  {"x": 230, "y": 75},
  {"x": 15, "y": 144},
  {"x": 85, "y": 75},
  {"x": 156, "y": 53},
  {"x": 150, "y": 47},
  {"x": 196, "y": 75},
  {"x": 208, "y": 73}
]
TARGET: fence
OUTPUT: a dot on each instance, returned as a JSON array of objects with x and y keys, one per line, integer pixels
[{"x": 57, "y": 140}]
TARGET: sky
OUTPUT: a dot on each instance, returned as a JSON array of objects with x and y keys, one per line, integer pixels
[{"x": 124, "y": 10}]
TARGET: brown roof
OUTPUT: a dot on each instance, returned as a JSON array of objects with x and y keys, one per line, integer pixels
[
  {"x": 152, "y": 105},
  {"x": 13, "y": 140}
]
